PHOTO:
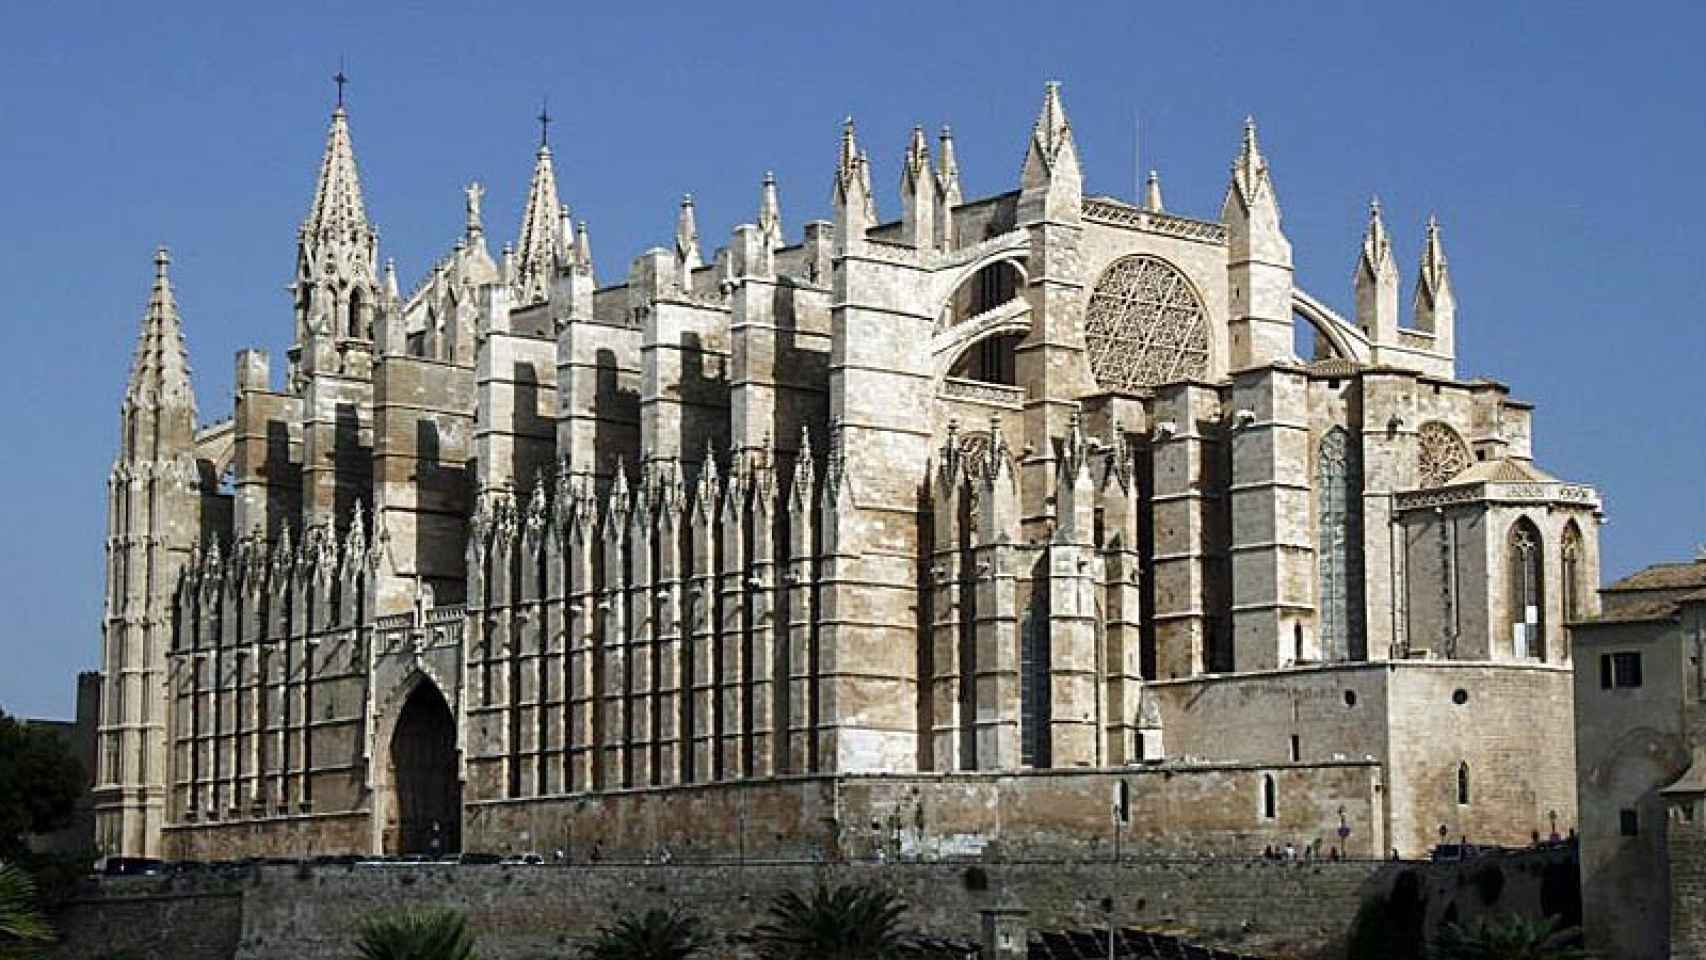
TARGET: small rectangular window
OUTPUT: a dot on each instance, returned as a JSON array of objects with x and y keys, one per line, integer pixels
[
  {"x": 1296, "y": 749},
  {"x": 1605, "y": 671},
  {"x": 1628, "y": 824},
  {"x": 1625, "y": 669}
]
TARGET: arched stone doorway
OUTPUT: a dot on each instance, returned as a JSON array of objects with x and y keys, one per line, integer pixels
[{"x": 424, "y": 777}]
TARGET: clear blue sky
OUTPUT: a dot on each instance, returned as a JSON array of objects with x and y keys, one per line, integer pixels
[{"x": 1559, "y": 143}]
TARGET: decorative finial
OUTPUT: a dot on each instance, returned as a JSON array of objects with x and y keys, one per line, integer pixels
[
  {"x": 162, "y": 259},
  {"x": 544, "y": 122},
  {"x": 339, "y": 79}
]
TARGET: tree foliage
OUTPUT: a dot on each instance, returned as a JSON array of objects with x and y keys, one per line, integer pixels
[
  {"x": 1509, "y": 937},
  {"x": 653, "y": 935},
  {"x": 22, "y": 927},
  {"x": 40, "y": 783},
  {"x": 416, "y": 935},
  {"x": 849, "y": 922}
]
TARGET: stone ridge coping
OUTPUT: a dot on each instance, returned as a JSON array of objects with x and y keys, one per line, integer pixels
[
  {"x": 1359, "y": 665},
  {"x": 1168, "y": 767}
]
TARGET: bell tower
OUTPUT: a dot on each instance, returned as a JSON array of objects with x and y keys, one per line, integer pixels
[
  {"x": 153, "y": 524},
  {"x": 336, "y": 288}
]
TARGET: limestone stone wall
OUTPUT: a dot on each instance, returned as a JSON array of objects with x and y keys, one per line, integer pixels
[
  {"x": 523, "y": 913},
  {"x": 744, "y": 517},
  {"x": 152, "y": 920},
  {"x": 1174, "y": 810},
  {"x": 1686, "y": 930},
  {"x": 1510, "y": 730}
]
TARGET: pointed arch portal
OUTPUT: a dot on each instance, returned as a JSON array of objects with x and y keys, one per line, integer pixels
[{"x": 424, "y": 773}]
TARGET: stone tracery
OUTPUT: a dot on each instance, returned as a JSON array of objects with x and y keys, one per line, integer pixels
[
  {"x": 1440, "y": 454},
  {"x": 1145, "y": 326}
]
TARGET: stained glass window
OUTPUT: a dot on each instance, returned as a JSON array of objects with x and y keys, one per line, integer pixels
[
  {"x": 1145, "y": 326},
  {"x": 1440, "y": 454},
  {"x": 1337, "y": 486},
  {"x": 1525, "y": 593}
]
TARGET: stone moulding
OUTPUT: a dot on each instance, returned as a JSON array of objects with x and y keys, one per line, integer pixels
[
  {"x": 1567, "y": 494},
  {"x": 976, "y": 391},
  {"x": 1110, "y": 213}
]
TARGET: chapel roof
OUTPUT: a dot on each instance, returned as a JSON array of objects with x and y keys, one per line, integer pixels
[{"x": 1503, "y": 470}]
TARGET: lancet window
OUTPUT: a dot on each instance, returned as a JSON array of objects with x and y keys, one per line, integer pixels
[
  {"x": 1337, "y": 484},
  {"x": 1525, "y": 591},
  {"x": 1034, "y": 694},
  {"x": 1569, "y": 569}
]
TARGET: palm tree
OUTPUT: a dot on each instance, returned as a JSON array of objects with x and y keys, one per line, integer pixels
[
  {"x": 21, "y": 924},
  {"x": 416, "y": 935},
  {"x": 850, "y": 922},
  {"x": 1510, "y": 937},
  {"x": 653, "y": 935}
]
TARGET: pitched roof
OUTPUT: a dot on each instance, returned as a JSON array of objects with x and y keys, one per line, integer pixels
[
  {"x": 1655, "y": 593},
  {"x": 1503, "y": 470}
]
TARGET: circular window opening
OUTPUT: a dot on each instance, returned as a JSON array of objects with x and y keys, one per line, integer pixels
[
  {"x": 1460, "y": 696},
  {"x": 1350, "y": 698}
]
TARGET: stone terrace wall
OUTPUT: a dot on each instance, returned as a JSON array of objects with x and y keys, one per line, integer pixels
[
  {"x": 1176, "y": 809},
  {"x": 524, "y": 913},
  {"x": 153, "y": 919}
]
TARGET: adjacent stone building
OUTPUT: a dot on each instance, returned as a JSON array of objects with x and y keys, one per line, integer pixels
[
  {"x": 920, "y": 534},
  {"x": 1640, "y": 746}
]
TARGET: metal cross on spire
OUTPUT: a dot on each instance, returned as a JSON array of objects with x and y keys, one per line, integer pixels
[
  {"x": 339, "y": 79},
  {"x": 544, "y": 121}
]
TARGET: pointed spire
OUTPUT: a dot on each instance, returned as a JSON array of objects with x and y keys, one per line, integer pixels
[
  {"x": 853, "y": 185},
  {"x": 1376, "y": 242},
  {"x": 338, "y": 211},
  {"x": 947, "y": 189},
  {"x": 160, "y": 370},
  {"x": 1053, "y": 132},
  {"x": 1051, "y": 183},
  {"x": 770, "y": 212},
  {"x": 393, "y": 293},
  {"x": 541, "y": 241},
  {"x": 804, "y": 470},
  {"x": 687, "y": 254},
  {"x": 583, "y": 250},
  {"x": 947, "y": 164},
  {"x": 918, "y": 194},
  {"x": 565, "y": 236},
  {"x": 475, "y": 227},
  {"x": 1434, "y": 275},
  {"x": 1250, "y": 171},
  {"x": 847, "y": 161},
  {"x": 1376, "y": 282},
  {"x": 1152, "y": 193},
  {"x": 917, "y": 163},
  {"x": 1435, "y": 307},
  {"x": 618, "y": 503}
]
